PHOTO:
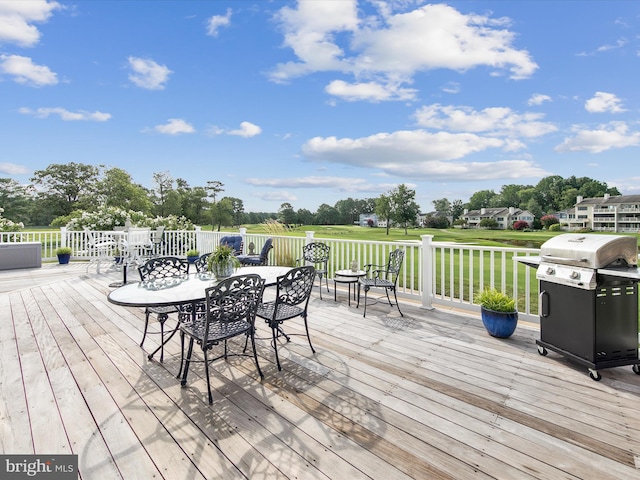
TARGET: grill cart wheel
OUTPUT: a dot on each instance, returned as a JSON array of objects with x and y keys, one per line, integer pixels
[
  {"x": 542, "y": 351},
  {"x": 595, "y": 375},
  {"x": 636, "y": 369}
]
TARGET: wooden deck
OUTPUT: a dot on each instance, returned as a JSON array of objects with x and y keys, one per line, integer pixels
[{"x": 427, "y": 396}]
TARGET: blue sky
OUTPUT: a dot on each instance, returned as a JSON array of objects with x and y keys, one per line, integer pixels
[{"x": 315, "y": 101}]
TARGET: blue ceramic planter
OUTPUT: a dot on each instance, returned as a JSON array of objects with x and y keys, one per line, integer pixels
[
  {"x": 499, "y": 324},
  {"x": 63, "y": 258}
]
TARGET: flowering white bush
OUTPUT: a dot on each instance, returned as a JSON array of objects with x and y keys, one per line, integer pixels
[
  {"x": 7, "y": 225},
  {"x": 106, "y": 218}
]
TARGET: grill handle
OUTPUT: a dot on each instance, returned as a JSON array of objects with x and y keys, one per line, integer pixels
[
  {"x": 551, "y": 258},
  {"x": 543, "y": 303}
]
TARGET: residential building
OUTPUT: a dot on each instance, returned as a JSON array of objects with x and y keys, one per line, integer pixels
[
  {"x": 504, "y": 217},
  {"x": 619, "y": 213}
]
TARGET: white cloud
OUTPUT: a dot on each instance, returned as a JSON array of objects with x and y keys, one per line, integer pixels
[
  {"x": 246, "y": 130},
  {"x": 606, "y": 137},
  {"x": 278, "y": 196},
  {"x": 217, "y": 21},
  {"x": 26, "y": 72},
  {"x": 148, "y": 74},
  {"x": 619, "y": 44},
  {"x": 12, "y": 169},
  {"x": 340, "y": 184},
  {"x": 66, "y": 114},
  {"x": 174, "y": 126},
  {"x": 371, "y": 91},
  {"x": 500, "y": 121},
  {"x": 420, "y": 154},
  {"x": 329, "y": 36},
  {"x": 604, "y": 102},
  {"x": 451, "y": 87},
  {"x": 538, "y": 99},
  {"x": 16, "y": 18},
  {"x": 309, "y": 31}
]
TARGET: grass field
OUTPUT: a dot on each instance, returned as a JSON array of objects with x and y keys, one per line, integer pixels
[{"x": 495, "y": 238}]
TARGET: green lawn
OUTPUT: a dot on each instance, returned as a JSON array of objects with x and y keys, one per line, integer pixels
[{"x": 496, "y": 238}]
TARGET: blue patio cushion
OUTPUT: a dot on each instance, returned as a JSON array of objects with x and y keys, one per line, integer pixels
[
  {"x": 234, "y": 241},
  {"x": 262, "y": 259}
]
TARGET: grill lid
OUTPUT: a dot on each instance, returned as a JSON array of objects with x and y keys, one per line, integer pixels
[{"x": 590, "y": 250}]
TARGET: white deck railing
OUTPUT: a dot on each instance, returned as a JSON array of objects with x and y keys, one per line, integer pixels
[{"x": 434, "y": 273}]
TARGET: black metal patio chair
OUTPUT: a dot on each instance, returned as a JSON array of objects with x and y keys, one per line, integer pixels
[
  {"x": 292, "y": 300},
  {"x": 158, "y": 268},
  {"x": 200, "y": 264},
  {"x": 230, "y": 311},
  {"x": 382, "y": 276},
  {"x": 317, "y": 254}
]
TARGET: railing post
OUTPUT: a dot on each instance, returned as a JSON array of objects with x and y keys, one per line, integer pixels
[
  {"x": 428, "y": 262},
  {"x": 198, "y": 245},
  {"x": 243, "y": 234},
  {"x": 309, "y": 238},
  {"x": 63, "y": 236}
]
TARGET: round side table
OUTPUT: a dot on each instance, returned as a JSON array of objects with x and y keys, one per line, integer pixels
[{"x": 348, "y": 277}]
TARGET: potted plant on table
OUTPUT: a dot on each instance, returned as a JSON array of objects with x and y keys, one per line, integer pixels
[
  {"x": 498, "y": 312},
  {"x": 222, "y": 262},
  {"x": 192, "y": 255},
  {"x": 64, "y": 254}
]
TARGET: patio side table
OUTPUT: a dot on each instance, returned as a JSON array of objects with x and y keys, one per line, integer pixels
[{"x": 348, "y": 277}]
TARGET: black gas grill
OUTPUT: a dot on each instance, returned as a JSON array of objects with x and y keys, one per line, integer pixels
[{"x": 589, "y": 299}]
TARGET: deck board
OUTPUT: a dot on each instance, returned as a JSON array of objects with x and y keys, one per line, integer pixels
[{"x": 427, "y": 396}]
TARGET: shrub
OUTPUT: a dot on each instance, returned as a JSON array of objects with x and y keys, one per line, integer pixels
[
  {"x": 556, "y": 227},
  {"x": 106, "y": 218},
  {"x": 436, "y": 221},
  {"x": 520, "y": 225},
  {"x": 548, "y": 220},
  {"x": 489, "y": 223},
  {"x": 63, "y": 251},
  {"x": 7, "y": 225}
]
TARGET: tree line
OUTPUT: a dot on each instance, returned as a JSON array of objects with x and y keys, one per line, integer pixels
[{"x": 59, "y": 191}]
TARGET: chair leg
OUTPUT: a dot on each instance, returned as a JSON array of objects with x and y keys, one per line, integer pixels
[
  {"x": 320, "y": 284},
  {"x": 306, "y": 327},
  {"x": 366, "y": 289},
  {"x": 274, "y": 333},
  {"x": 181, "y": 355},
  {"x": 397, "y": 304},
  {"x": 161, "y": 340},
  {"x": 146, "y": 326},
  {"x": 187, "y": 362},
  {"x": 206, "y": 371},
  {"x": 252, "y": 334}
]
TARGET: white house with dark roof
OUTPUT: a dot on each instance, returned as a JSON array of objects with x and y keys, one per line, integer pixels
[{"x": 504, "y": 217}]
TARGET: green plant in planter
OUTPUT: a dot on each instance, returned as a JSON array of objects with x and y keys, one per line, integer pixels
[
  {"x": 222, "y": 262},
  {"x": 192, "y": 255},
  {"x": 495, "y": 300},
  {"x": 64, "y": 254},
  {"x": 498, "y": 312}
]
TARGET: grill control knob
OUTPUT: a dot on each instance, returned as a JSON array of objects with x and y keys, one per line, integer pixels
[
  {"x": 550, "y": 271},
  {"x": 574, "y": 275}
]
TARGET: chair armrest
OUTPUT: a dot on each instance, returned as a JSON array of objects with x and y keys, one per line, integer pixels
[{"x": 372, "y": 267}]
